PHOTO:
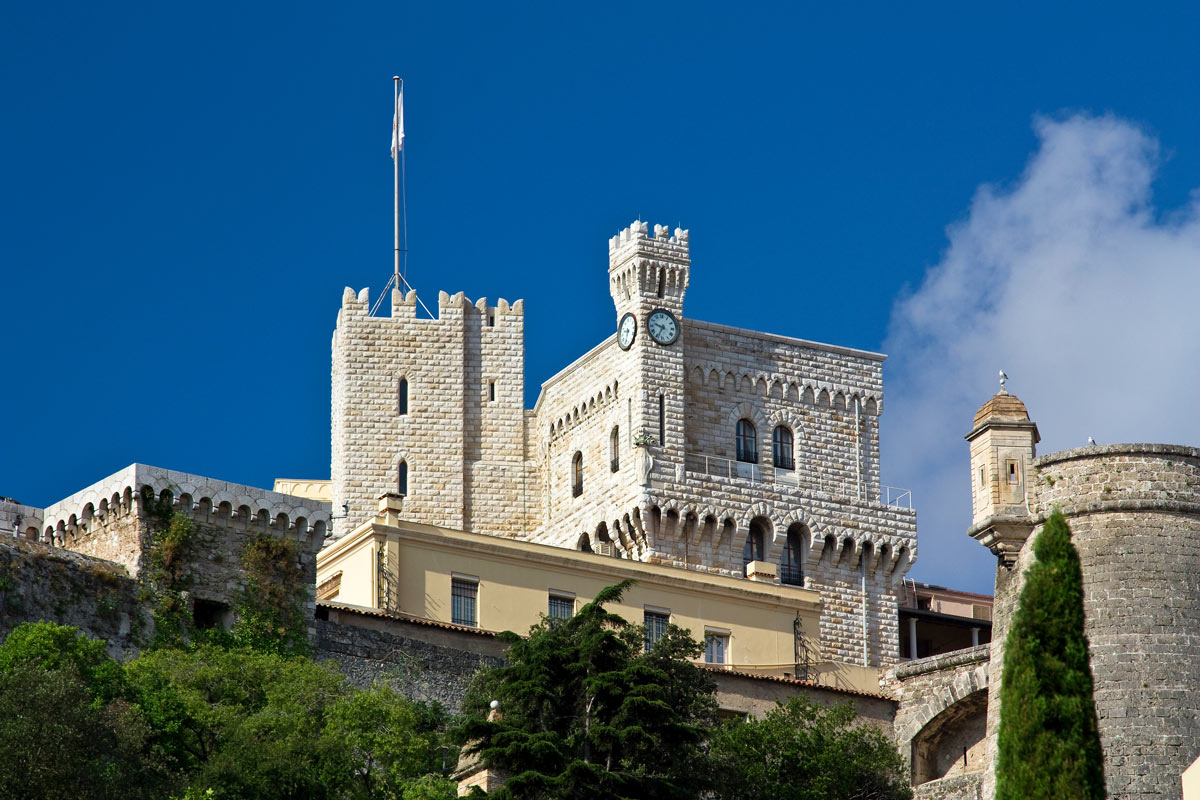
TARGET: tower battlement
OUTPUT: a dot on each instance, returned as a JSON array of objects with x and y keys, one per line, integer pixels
[
  {"x": 636, "y": 240},
  {"x": 404, "y": 306}
]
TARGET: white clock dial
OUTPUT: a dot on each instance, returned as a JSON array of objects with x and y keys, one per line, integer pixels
[
  {"x": 626, "y": 331},
  {"x": 663, "y": 327}
]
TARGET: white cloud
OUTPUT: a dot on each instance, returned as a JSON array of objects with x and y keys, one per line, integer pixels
[{"x": 1070, "y": 282}]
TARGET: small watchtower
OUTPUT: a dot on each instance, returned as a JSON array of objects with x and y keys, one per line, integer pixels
[{"x": 1003, "y": 445}]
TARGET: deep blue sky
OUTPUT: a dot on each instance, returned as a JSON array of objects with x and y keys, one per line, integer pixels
[{"x": 188, "y": 187}]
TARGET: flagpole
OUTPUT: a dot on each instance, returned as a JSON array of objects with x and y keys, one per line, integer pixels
[{"x": 396, "y": 165}]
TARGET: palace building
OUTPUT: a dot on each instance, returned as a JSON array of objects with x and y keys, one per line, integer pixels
[{"x": 681, "y": 444}]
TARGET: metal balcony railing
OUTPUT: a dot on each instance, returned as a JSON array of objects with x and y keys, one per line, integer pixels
[
  {"x": 791, "y": 575},
  {"x": 721, "y": 467}
]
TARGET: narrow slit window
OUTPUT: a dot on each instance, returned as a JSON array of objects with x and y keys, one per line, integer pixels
[
  {"x": 662, "y": 282},
  {"x": 614, "y": 448},
  {"x": 577, "y": 474},
  {"x": 491, "y": 319},
  {"x": 981, "y": 478},
  {"x": 491, "y": 391},
  {"x": 1013, "y": 475},
  {"x": 402, "y": 478},
  {"x": 662, "y": 420},
  {"x": 402, "y": 396}
]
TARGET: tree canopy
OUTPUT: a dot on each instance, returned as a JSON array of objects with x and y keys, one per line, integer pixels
[{"x": 1049, "y": 745}]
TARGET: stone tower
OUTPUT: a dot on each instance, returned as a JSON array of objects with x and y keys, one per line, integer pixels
[
  {"x": 432, "y": 409},
  {"x": 648, "y": 275},
  {"x": 1134, "y": 512}
]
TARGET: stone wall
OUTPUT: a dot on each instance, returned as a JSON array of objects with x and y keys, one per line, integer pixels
[
  {"x": 40, "y": 582},
  {"x": 940, "y": 725},
  {"x": 1134, "y": 512},
  {"x": 421, "y": 660}
]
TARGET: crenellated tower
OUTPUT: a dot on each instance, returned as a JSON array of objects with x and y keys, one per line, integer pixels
[{"x": 648, "y": 278}]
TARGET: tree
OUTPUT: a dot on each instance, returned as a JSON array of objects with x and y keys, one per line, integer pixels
[
  {"x": 248, "y": 724},
  {"x": 588, "y": 712},
  {"x": 802, "y": 751},
  {"x": 1049, "y": 746},
  {"x": 67, "y": 728}
]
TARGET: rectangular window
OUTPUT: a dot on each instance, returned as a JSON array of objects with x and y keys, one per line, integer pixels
[
  {"x": 656, "y": 626},
  {"x": 463, "y": 596},
  {"x": 981, "y": 477},
  {"x": 1013, "y": 475},
  {"x": 561, "y": 606},
  {"x": 491, "y": 391},
  {"x": 716, "y": 646}
]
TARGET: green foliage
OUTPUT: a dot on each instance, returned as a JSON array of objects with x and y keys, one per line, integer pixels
[
  {"x": 802, "y": 751},
  {"x": 51, "y": 647},
  {"x": 67, "y": 729},
  {"x": 586, "y": 713},
  {"x": 1049, "y": 746},
  {"x": 164, "y": 575},
  {"x": 271, "y": 611},
  {"x": 249, "y": 725}
]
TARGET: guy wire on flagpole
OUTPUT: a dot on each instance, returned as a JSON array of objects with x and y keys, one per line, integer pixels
[{"x": 399, "y": 275}]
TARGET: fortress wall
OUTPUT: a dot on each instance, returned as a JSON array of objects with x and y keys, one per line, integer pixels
[
  {"x": 1134, "y": 512},
  {"x": 41, "y": 582}
]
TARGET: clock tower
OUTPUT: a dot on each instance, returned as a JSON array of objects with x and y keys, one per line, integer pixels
[{"x": 648, "y": 277}]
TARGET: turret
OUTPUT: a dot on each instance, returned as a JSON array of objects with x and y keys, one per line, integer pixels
[
  {"x": 1003, "y": 445},
  {"x": 647, "y": 271}
]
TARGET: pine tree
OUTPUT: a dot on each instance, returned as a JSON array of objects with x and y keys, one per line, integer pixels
[
  {"x": 1049, "y": 746},
  {"x": 587, "y": 712}
]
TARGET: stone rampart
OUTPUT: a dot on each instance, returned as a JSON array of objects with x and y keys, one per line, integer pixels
[
  {"x": 1134, "y": 512},
  {"x": 39, "y": 582}
]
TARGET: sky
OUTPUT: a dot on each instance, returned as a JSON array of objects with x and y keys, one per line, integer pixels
[{"x": 966, "y": 187}]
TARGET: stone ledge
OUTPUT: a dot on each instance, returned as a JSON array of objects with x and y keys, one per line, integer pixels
[
  {"x": 957, "y": 658},
  {"x": 1093, "y": 451}
]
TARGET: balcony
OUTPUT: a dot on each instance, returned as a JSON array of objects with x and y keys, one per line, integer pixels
[{"x": 729, "y": 469}]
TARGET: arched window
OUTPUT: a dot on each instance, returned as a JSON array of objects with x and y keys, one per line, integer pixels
[
  {"x": 402, "y": 396},
  {"x": 402, "y": 478},
  {"x": 791, "y": 563},
  {"x": 753, "y": 549},
  {"x": 781, "y": 448},
  {"x": 577, "y": 474},
  {"x": 614, "y": 448},
  {"x": 747, "y": 442}
]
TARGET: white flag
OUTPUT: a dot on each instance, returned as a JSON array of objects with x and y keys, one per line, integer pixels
[{"x": 398, "y": 126}]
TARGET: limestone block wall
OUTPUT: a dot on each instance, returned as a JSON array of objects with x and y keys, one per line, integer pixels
[
  {"x": 462, "y": 436},
  {"x": 1134, "y": 512},
  {"x": 108, "y": 521},
  {"x": 810, "y": 388}
]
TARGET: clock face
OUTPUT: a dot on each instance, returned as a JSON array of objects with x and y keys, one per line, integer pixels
[
  {"x": 626, "y": 330},
  {"x": 663, "y": 327}
]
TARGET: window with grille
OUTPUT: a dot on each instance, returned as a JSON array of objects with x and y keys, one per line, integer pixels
[
  {"x": 781, "y": 448},
  {"x": 747, "y": 442},
  {"x": 561, "y": 607},
  {"x": 463, "y": 600},
  {"x": 716, "y": 646},
  {"x": 656, "y": 626}
]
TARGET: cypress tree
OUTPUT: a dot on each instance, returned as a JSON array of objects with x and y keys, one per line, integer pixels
[{"x": 1049, "y": 745}]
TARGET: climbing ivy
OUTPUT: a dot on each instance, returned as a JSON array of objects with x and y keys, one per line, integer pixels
[
  {"x": 164, "y": 576},
  {"x": 271, "y": 609}
]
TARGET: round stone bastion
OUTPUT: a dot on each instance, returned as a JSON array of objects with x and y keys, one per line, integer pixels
[{"x": 1134, "y": 512}]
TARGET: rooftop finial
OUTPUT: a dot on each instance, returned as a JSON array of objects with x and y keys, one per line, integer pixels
[{"x": 1003, "y": 378}]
